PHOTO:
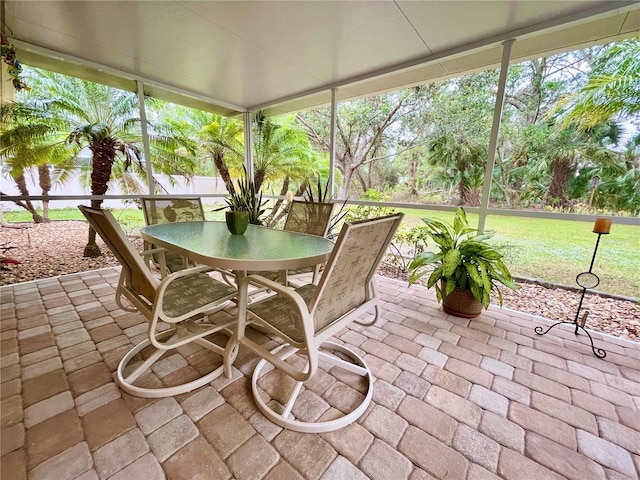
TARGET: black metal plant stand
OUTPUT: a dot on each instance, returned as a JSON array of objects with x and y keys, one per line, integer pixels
[{"x": 586, "y": 280}]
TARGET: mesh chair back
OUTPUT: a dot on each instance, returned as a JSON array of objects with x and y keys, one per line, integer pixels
[
  {"x": 136, "y": 274},
  {"x": 346, "y": 280},
  {"x": 309, "y": 217},
  {"x": 166, "y": 210}
]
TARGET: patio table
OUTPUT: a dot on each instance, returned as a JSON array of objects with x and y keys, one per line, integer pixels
[{"x": 258, "y": 249}]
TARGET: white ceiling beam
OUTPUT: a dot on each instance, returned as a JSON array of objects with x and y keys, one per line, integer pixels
[
  {"x": 66, "y": 58},
  {"x": 591, "y": 13}
]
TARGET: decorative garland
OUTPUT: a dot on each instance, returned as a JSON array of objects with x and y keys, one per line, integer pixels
[{"x": 14, "y": 67}]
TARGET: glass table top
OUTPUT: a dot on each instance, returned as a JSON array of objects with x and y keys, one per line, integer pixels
[{"x": 259, "y": 248}]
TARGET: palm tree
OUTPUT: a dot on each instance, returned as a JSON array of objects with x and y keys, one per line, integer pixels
[
  {"x": 612, "y": 90},
  {"x": 618, "y": 188},
  {"x": 565, "y": 150},
  {"x": 283, "y": 156},
  {"x": 107, "y": 122},
  {"x": 210, "y": 136},
  {"x": 461, "y": 164},
  {"x": 98, "y": 117},
  {"x": 223, "y": 139},
  {"x": 24, "y": 129},
  {"x": 281, "y": 151}
]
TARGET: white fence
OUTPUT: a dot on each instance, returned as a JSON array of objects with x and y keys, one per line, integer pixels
[{"x": 197, "y": 186}]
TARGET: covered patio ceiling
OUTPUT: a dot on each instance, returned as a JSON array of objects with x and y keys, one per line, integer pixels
[{"x": 231, "y": 57}]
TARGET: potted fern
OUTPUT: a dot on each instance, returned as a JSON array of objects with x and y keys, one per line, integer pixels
[
  {"x": 244, "y": 206},
  {"x": 464, "y": 269}
]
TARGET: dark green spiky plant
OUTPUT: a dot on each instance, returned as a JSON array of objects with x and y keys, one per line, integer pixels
[
  {"x": 323, "y": 195},
  {"x": 464, "y": 260},
  {"x": 245, "y": 198}
]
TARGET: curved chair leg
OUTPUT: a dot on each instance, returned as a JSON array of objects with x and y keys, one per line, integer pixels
[
  {"x": 126, "y": 381},
  {"x": 284, "y": 418},
  {"x": 121, "y": 304},
  {"x": 372, "y": 286},
  {"x": 370, "y": 322}
]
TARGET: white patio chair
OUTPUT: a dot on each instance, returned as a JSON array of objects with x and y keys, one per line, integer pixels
[
  {"x": 305, "y": 318},
  {"x": 312, "y": 218},
  {"x": 180, "y": 299},
  {"x": 167, "y": 210}
]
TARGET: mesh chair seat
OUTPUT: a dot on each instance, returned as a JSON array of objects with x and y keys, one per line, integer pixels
[
  {"x": 281, "y": 313},
  {"x": 193, "y": 292}
]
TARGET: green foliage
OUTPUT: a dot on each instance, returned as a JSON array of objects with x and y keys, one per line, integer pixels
[
  {"x": 363, "y": 212},
  {"x": 21, "y": 216},
  {"x": 406, "y": 244},
  {"x": 245, "y": 198},
  {"x": 611, "y": 90},
  {"x": 367, "y": 131},
  {"x": 415, "y": 236},
  {"x": 60, "y": 115},
  {"x": 129, "y": 220},
  {"x": 464, "y": 259},
  {"x": 281, "y": 150}
]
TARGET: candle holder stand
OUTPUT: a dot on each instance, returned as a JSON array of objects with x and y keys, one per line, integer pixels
[{"x": 586, "y": 280}]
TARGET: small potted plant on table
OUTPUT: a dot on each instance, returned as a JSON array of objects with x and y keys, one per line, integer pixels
[
  {"x": 466, "y": 267},
  {"x": 244, "y": 206}
]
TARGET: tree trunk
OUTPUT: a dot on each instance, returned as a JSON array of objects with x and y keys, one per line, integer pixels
[
  {"x": 277, "y": 212},
  {"x": 361, "y": 179},
  {"x": 21, "y": 183},
  {"x": 44, "y": 177},
  {"x": 221, "y": 167},
  {"x": 104, "y": 154},
  {"x": 561, "y": 170},
  {"x": 505, "y": 192},
  {"x": 536, "y": 87},
  {"x": 469, "y": 197},
  {"x": 346, "y": 180},
  {"x": 414, "y": 163},
  {"x": 258, "y": 179}
]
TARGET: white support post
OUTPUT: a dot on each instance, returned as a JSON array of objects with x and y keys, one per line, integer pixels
[
  {"x": 248, "y": 144},
  {"x": 495, "y": 129},
  {"x": 145, "y": 138},
  {"x": 332, "y": 140}
]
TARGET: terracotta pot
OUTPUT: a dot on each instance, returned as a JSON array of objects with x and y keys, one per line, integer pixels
[
  {"x": 237, "y": 222},
  {"x": 460, "y": 303}
]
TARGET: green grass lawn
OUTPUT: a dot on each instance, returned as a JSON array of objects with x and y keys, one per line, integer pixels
[
  {"x": 551, "y": 250},
  {"x": 132, "y": 215},
  {"x": 558, "y": 250}
]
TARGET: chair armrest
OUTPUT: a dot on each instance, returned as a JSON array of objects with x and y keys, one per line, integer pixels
[
  {"x": 270, "y": 284},
  {"x": 147, "y": 256},
  {"x": 185, "y": 273},
  {"x": 279, "y": 288},
  {"x": 151, "y": 251},
  {"x": 246, "y": 317}
]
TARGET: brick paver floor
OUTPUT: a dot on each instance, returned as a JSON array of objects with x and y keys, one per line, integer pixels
[{"x": 453, "y": 398}]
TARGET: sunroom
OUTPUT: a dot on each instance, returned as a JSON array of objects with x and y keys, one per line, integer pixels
[{"x": 453, "y": 398}]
